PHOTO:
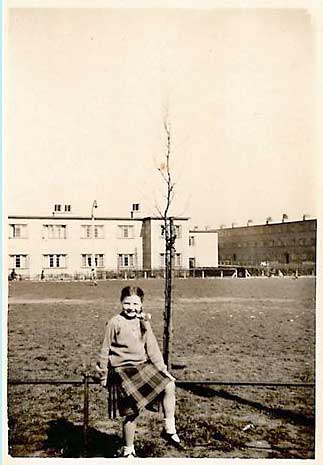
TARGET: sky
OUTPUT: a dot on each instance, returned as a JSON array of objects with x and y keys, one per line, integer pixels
[{"x": 89, "y": 90}]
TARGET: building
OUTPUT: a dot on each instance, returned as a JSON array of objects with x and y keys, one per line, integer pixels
[
  {"x": 203, "y": 249},
  {"x": 154, "y": 243},
  {"x": 287, "y": 244},
  {"x": 65, "y": 245},
  {"x": 62, "y": 244}
]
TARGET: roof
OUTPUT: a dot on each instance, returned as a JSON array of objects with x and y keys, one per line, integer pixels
[
  {"x": 265, "y": 224},
  {"x": 87, "y": 218},
  {"x": 199, "y": 231}
]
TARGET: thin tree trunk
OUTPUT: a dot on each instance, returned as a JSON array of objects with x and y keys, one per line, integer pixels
[
  {"x": 168, "y": 320},
  {"x": 170, "y": 237}
]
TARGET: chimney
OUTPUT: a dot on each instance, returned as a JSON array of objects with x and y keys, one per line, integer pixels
[
  {"x": 285, "y": 217},
  {"x": 305, "y": 216},
  {"x": 135, "y": 210},
  {"x": 57, "y": 208},
  {"x": 60, "y": 209}
]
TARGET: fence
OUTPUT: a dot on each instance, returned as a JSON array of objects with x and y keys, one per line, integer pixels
[
  {"x": 222, "y": 271},
  {"x": 87, "y": 380}
]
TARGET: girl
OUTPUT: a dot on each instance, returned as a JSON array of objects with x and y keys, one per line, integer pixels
[{"x": 132, "y": 368}]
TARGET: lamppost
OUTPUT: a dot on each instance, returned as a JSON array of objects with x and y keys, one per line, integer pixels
[{"x": 94, "y": 205}]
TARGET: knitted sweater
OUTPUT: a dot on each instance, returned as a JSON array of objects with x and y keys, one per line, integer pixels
[{"x": 123, "y": 344}]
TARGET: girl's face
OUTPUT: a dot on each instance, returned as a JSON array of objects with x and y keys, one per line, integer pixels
[{"x": 132, "y": 305}]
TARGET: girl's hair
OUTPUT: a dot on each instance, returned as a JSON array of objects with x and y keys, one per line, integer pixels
[{"x": 132, "y": 290}]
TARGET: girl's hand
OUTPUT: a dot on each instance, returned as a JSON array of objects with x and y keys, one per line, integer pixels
[{"x": 103, "y": 373}]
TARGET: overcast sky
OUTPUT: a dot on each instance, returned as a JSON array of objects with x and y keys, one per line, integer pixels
[{"x": 88, "y": 91}]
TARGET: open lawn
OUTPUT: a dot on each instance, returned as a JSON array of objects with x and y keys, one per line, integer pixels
[{"x": 255, "y": 330}]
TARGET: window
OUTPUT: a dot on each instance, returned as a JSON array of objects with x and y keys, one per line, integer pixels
[
  {"x": 18, "y": 231},
  {"x": 57, "y": 208},
  {"x": 87, "y": 259},
  {"x": 98, "y": 232},
  {"x": 126, "y": 232},
  {"x": 125, "y": 260},
  {"x": 67, "y": 208},
  {"x": 54, "y": 231},
  {"x": 55, "y": 261},
  {"x": 191, "y": 241},
  {"x": 178, "y": 231},
  {"x": 86, "y": 231},
  {"x": 19, "y": 261},
  {"x": 178, "y": 259}
]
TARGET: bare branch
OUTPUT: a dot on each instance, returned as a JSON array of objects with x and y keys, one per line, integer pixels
[{"x": 158, "y": 210}]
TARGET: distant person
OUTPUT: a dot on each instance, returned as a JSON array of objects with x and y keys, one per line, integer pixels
[
  {"x": 131, "y": 366},
  {"x": 42, "y": 275},
  {"x": 93, "y": 277},
  {"x": 13, "y": 275}
]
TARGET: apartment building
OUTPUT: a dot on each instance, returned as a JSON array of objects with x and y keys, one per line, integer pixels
[
  {"x": 65, "y": 244},
  {"x": 285, "y": 243}
]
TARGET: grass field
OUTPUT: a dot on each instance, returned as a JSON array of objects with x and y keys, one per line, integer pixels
[{"x": 255, "y": 330}]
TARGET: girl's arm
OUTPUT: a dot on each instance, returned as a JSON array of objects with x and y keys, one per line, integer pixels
[{"x": 153, "y": 350}]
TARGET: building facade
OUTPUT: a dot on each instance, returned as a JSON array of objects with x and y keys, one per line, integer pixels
[
  {"x": 287, "y": 244},
  {"x": 203, "y": 249},
  {"x": 62, "y": 244}
]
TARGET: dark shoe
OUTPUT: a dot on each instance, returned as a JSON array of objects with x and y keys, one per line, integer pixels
[{"x": 172, "y": 439}]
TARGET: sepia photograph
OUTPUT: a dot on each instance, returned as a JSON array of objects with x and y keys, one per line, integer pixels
[{"x": 160, "y": 241}]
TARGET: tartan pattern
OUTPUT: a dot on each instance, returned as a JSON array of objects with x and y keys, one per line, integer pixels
[{"x": 133, "y": 388}]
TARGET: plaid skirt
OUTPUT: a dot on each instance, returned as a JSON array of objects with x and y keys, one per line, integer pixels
[{"x": 132, "y": 388}]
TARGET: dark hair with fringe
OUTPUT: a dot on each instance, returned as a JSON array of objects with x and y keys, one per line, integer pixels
[{"x": 134, "y": 290}]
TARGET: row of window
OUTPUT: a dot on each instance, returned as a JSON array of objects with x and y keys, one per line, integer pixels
[
  {"x": 60, "y": 260},
  {"x": 59, "y": 231},
  {"x": 272, "y": 243},
  {"x": 282, "y": 258}
]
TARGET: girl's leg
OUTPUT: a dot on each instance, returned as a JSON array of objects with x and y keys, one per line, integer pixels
[
  {"x": 129, "y": 429},
  {"x": 169, "y": 401}
]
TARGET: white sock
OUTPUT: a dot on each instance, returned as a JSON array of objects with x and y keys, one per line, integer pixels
[
  {"x": 170, "y": 425},
  {"x": 128, "y": 450}
]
